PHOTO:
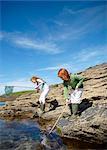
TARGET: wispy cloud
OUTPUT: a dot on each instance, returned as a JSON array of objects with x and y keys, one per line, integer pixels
[
  {"x": 77, "y": 23},
  {"x": 47, "y": 47},
  {"x": 84, "y": 57},
  {"x": 1, "y": 35},
  {"x": 71, "y": 11},
  {"x": 59, "y": 23},
  {"x": 34, "y": 44},
  {"x": 67, "y": 66},
  {"x": 90, "y": 53},
  {"x": 71, "y": 23},
  {"x": 67, "y": 26}
]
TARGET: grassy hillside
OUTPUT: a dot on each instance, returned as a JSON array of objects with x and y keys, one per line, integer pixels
[
  {"x": 22, "y": 92},
  {"x": 14, "y": 95}
]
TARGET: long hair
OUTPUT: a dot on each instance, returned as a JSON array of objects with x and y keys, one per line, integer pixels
[{"x": 35, "y": 78}]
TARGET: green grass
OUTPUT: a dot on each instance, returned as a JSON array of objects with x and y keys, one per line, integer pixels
[{"x": 21, "y": 93}]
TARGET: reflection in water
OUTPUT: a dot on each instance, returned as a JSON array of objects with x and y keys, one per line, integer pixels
[{"x": 26, "y": 135}]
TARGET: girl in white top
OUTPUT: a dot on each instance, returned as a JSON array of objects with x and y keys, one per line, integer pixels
[{"x": 44, "y": 87}]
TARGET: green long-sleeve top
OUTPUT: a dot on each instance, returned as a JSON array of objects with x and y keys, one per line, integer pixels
[{"x": 74, "y": 82}]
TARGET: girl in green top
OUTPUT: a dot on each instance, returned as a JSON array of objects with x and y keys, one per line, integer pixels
[{"x": 76, "y": 83}]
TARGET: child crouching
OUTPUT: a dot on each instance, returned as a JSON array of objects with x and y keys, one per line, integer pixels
[{"x": 76, "y": 83}]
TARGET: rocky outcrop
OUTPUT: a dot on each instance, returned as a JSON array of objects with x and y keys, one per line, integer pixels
[
  {"x": 91, "y": 126},
  {"x": 22, "y": 107},
  {"x": 95, "y": 86}
]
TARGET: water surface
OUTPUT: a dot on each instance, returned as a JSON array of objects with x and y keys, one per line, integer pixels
[
  {"x": 26, "y": 135},
  {"x": 2, "y": 103}
]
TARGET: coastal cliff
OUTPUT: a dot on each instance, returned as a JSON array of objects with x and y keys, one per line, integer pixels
[{"x": 91, "y": 125}]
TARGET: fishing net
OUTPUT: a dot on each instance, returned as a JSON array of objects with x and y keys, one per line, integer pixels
[
  {"x": 8, "y": 90},
  {"x": 52, "y": 141}
]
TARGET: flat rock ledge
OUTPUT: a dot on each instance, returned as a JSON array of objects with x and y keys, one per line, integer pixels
[{"x": 91, "y": 126}]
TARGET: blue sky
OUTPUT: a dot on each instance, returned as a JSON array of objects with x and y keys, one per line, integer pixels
[{"x": 40, "y": 37}]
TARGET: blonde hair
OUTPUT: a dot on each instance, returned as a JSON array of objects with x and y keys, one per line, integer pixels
[
  {"x": 63, "y": 72},
  {"x": 34, "y": 78}
]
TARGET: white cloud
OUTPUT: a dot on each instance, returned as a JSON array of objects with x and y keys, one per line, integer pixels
[
  {"x": 59, "y": 23},
  {"x": 23, "y": 41},
  {"x": 84, "y": 57},
  {"x": 67, "y": 66},
  {"x": 1, "y": 36},
  {"x": 47, "y": 47},
  {"x": 78, "y": 22},
  {"x": 85, "y": 10},
  {"x": 90, "y": 53},
  {"x": 69, "y": 25}
]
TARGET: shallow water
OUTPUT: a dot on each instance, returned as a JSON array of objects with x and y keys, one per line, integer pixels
[
  {"x": 2, "y": 103},
  {"x": 26, "y": 135}
]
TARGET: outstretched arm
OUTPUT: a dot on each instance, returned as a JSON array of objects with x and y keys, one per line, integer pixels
[{"x": 39, "y": 83}]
